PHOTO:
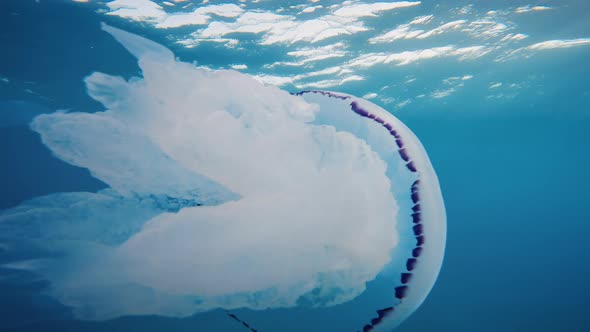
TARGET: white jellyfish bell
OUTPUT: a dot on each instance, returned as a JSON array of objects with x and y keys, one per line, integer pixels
[
  {"x": 421, "y": 219},
  {"x": 309, "y": 211}
]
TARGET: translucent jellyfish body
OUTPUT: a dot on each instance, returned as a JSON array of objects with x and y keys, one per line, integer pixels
[{"x": 289, "y": 212}]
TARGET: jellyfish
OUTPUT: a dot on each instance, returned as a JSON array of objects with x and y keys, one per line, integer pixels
[
  {"x": 298, "y": 211},
  {"x": 421, "y": 251},
  {"x": 416, "y": 261}
]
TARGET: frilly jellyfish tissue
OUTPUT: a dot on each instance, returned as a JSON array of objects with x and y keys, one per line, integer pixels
[{"x": 307, "y": 211}]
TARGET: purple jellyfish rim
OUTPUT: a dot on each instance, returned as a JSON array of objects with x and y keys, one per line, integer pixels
[{"x": 399, "y": 292}]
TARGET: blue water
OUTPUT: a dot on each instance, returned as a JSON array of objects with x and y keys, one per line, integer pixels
[{"x": 513, "y": 168}]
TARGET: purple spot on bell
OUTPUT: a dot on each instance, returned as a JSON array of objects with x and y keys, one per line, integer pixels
[
  {"x": 384, "y": 312},
  {"x": 388, "y": 126},
  {"x": 367, "y": 328},
  {"x": 332, "y": 95},
  {"x": 362, "y": 113},
  {"x": 418, "y": 229},
  {"x": 376, "y": 321},
  {"x": 419, "y": 240},
  {"x": 399, "y": 142},
  {"x": 417, "y": 251},
  {"x": 404, "y": 155},
  {"x": 378, "y": 119},
  {"x": 400, "y": 292},
  {"x": 406, "y": 277},
  {"x": 354, "y": 106},
  {"x": 411, "y": 264},
  {"x": 416, "y": 217},
  {"x": 372, "y": 116},
  {"x": 415, "y": 197},
  {"x": 416, "y": 208},
  {"x": 411, "y": 166},
  {"x": 416, "y": 183},
  {"x": 246, "y": 324}
]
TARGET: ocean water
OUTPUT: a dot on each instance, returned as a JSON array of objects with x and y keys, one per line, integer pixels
[{"x": 505, "y": 121}]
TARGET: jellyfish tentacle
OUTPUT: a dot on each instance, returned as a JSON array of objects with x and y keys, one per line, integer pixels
[{"x": 244, "y": 323}]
